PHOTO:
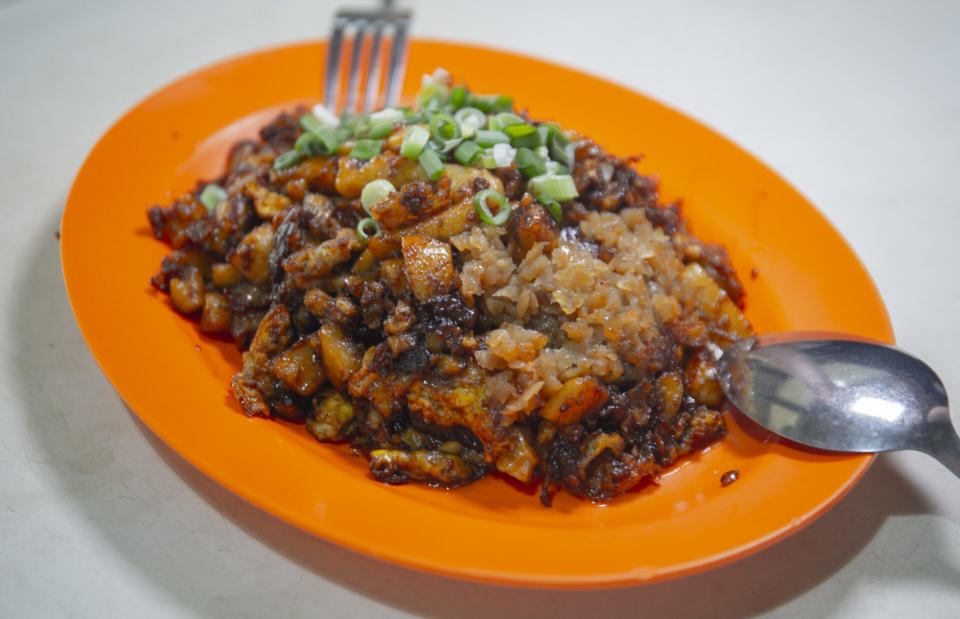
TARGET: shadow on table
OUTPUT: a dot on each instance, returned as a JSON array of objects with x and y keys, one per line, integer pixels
[
  {"x": 758, "y": 583},
  {"x": 755, "y": 584}
]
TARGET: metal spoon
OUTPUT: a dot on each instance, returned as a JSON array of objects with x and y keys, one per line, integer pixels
[{"x": 837, "y": 393}]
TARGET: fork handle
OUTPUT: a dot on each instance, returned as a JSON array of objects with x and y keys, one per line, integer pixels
[{"x": 942, "y": 440}]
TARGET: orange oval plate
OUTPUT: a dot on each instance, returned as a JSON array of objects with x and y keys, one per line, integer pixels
[{"x": 177, "y": 380}]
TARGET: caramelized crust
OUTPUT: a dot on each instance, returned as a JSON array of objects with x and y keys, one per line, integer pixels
[{"x": 573, "y": 353}]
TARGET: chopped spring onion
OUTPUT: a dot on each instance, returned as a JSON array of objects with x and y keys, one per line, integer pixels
[
  {"x": 520, "y": 130},
  {"x": 446, "y": 145},
  {"x": 498, "y": 122},
  {"x": 362, "y": 126},
  {"x": 368, "y": 227},
  {"x": 546, "y": 131},
  {"x": 487, "y": 160},
  {"x": 380, "y": 129},
  {"x": 562, "y": 149},
  {"x": 553, "y": 207},
  {"x": 308, "y": 143},
  {"x": 374, "y": 191},
  {"x": 443, "y": 127},
  {"x": 212, "y": 195},
  {"x": 323, "y": 141},
  {"x": 559, "y": 187},
  {"x": 287, "y": 159},
  {"x": 356, "y": 125},
  {"x": 543, "y": 151},
  {"x": 328, "y": 137},
  {"x": 342, "y": 134},
  {"x": 347, "y": 121},
  {"x": 388, "y": 115},
  {"x": 431, "y": 96},
  {"x": 309, "y": 122},
  {"x": 490, "y": 103},
  {"x": 439, "y": 75},
  {"x": 503, "y": 155},
  {"x": 458, "y": 96},
  {"x": 414, "y": 142},
  {"x": 487, "y": 138},
  {"x": 470, "y": 119},
  {"x": 556, "y": 168},
  {"x": 530, "y": 163},
  {"x": 483, "y": 208},
  {"x": 366, "y": 149},
  {"x": 525, "y": 138},
  {"x": 432, "y": 163},
  {"x": 324, "y": 115},
  {"x": 467, "y": 153}
]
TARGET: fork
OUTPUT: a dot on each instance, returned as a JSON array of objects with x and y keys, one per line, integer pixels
[{"x": 363, "y": 24}]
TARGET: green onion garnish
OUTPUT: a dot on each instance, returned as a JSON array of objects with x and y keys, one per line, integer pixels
[
  {"x": 487, "y": 138},
  {"x": 368, "y": 227},
  {"x": 530, "y": 140},
  {"x": 562, "y": 149},
  {"x": 483, "y": 209},
  {"x": 308, "y": 143},
  {"x": 342, "y": 134},
  {"x": 414, "y": 142},
  {"x": 530, "y": 163},
  {"x": 445, "y": 146},
  {"x": 490, "y": 103},
  {"x": 470, "y": 119},
  {"x": 388, "y": 114},
  {"x": 380, "y": 129},
  {"x": 443, "y": 127},
  {"x": 431, "y": 96},
  {"x": 556, "y": 168},
  {"x": 374, "y": 191},
  {"x": 323, "y": 141},
  {"x": 212, "y": 195},
  {"x": 553, "y": 207},
  {"x": 559, "y": 187},
  {"x": 287, "y": 159},
  {"x": 366, "y": 149},
  {"x": 520, "y": 130},
  {"x": 467, "y": 153},
  {"x": 355, "y": 125},
  {"x": 432, "y": 163},
  {"x": 498, "y": 122},
  {"x": 546, "y": 131},
  {"x": 458, "y": 96},
  {"x": 309, "y": 122},
  {"x": 328, "y": 137}
]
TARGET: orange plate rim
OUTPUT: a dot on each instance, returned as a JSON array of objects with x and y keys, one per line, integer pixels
[{"x": 189, "y": 124}]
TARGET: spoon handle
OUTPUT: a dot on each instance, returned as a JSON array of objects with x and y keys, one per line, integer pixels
[{"x": 943, "y": 442}]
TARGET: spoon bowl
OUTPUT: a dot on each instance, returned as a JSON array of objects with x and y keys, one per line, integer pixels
[{"x": 840, "y": 393}]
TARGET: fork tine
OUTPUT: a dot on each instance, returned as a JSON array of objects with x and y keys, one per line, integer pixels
[
  {"x": 373, "y": 70},
  {"x": 398, "y": 63},
  {"x": 331, "y": 78},
  {"x": 357, "y": 26},
  {"x": 353, "y": 79}
]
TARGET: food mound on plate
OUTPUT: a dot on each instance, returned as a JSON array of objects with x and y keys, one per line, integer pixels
[{"x": 457, "y": 290}]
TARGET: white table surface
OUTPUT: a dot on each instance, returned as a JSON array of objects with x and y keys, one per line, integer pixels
[{"x": 857, "y": 104}]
